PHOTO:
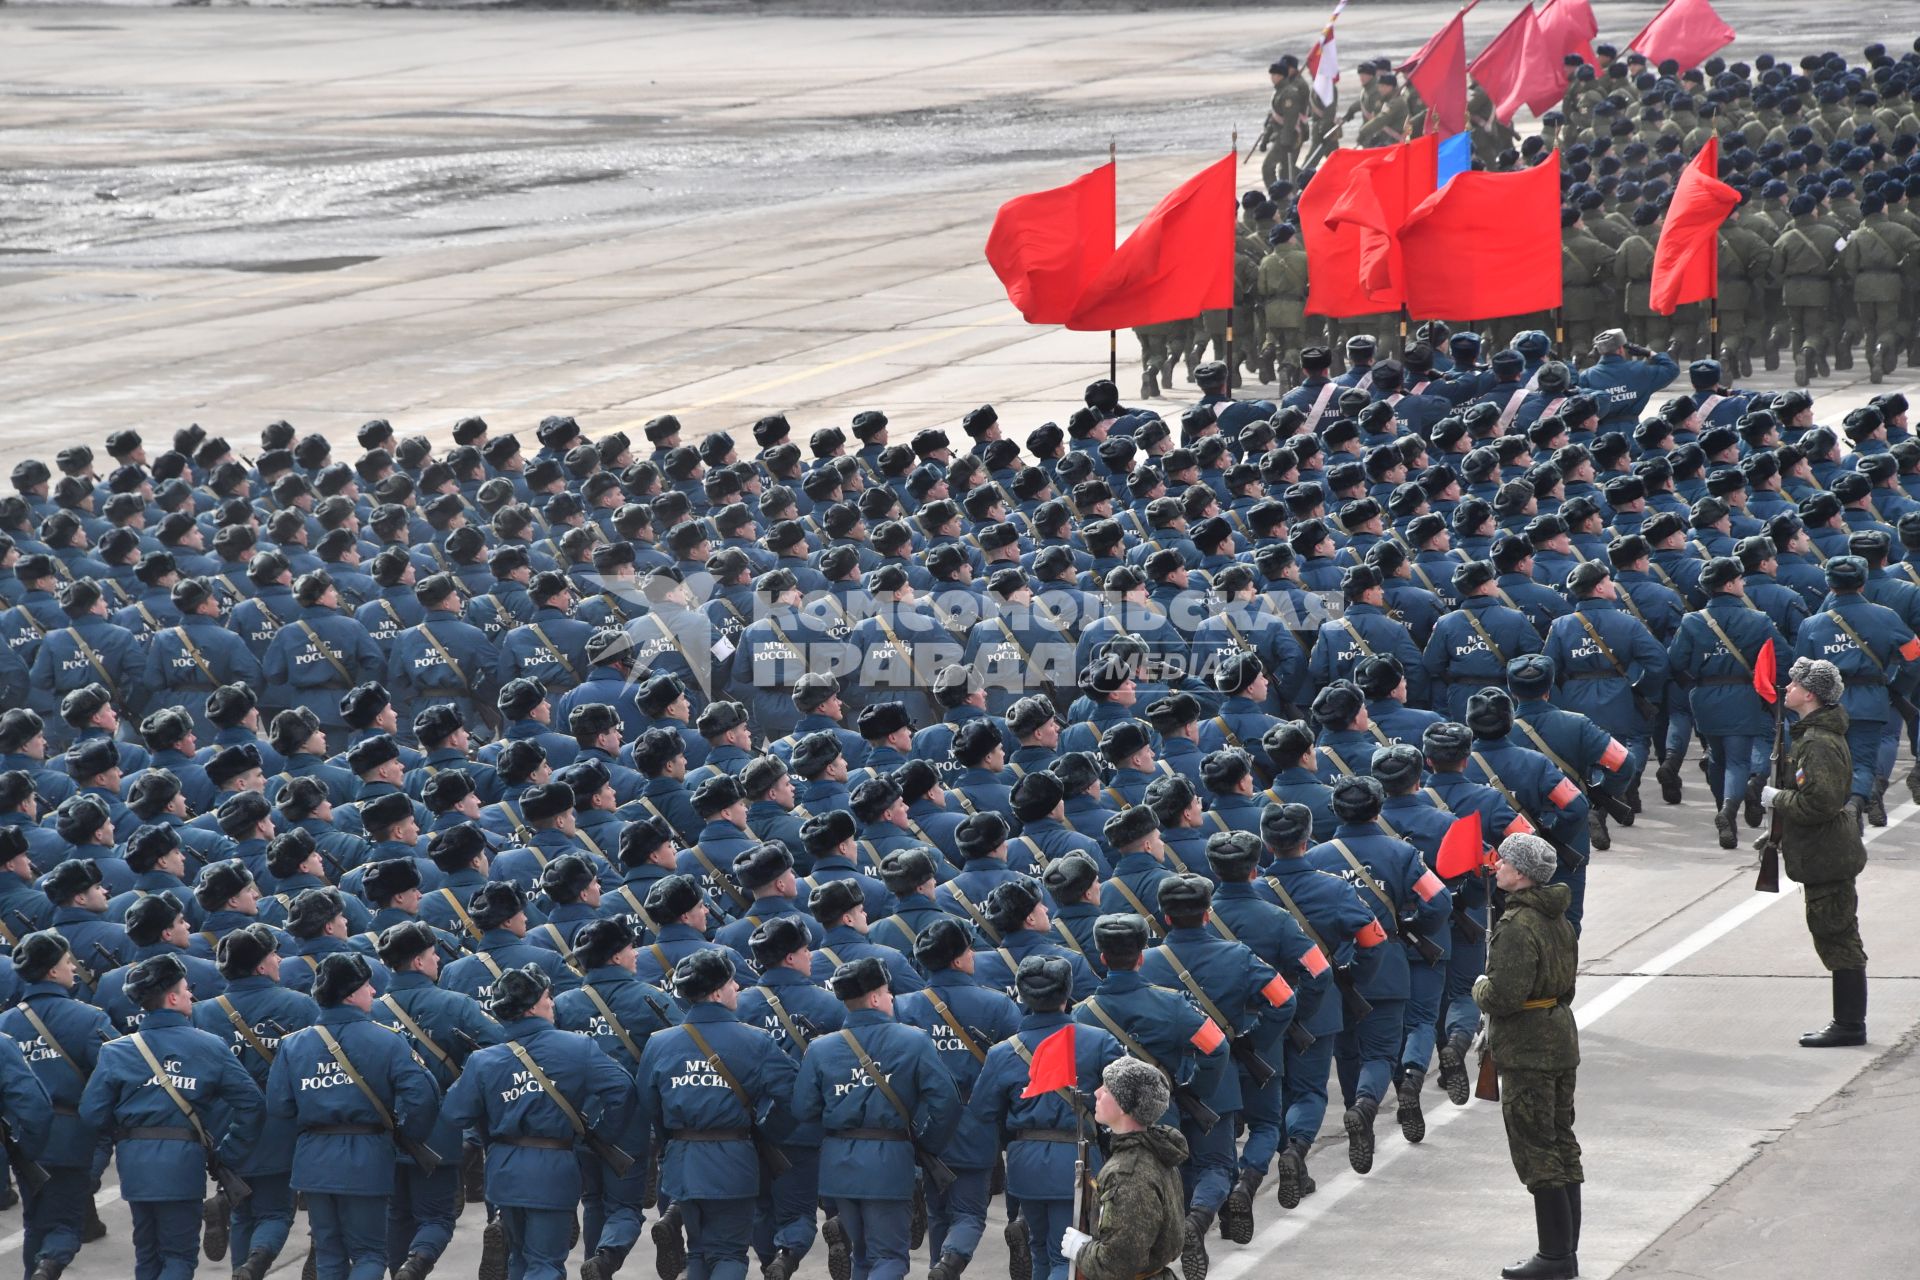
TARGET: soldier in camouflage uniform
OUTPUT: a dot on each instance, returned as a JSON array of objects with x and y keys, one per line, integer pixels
[
  {"x": 1744, "y": 259},
  {"x": 1527, "y": 996},
  {"x": 1803, "y": 260},
  {"x": 1283, "y": 300},
  {"x": 1286, "y": 121},
  {"x": 1633, "y": 278},
  {"x": 1879, "y": 255},
  {"x": 1138, "y": 1223},
  {"x": 1820, "y": 843},
  {"x": 1585, "y": 266},
  {"x": 1161, "y": 347}
]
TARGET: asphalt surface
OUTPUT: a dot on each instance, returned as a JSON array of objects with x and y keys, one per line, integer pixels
[{"x": 230, "y": 216}]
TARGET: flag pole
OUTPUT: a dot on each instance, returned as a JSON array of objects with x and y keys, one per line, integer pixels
[
  {"x": 1080, "y": 1203},
  {"x": 1113, "y": 336},
  {"x": 1232, "y": 262}
]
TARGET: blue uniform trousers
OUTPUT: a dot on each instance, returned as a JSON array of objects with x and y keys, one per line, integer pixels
[
  {"x": 1208, "y": 1173},
  {"x": 1260, "y": 1116},
  {"x": 877, "y": 1231},
  {"x": 1468, "y": 961},
  {"x": 166, "y": 1238},
  {"x": 612, "y": 1208},
  {"x": 1305, "y": 1090},
  {"x": 957, "y": 1217},
  {"x": 1679, "y": 732},
  {"x": 536, "y": 1242},
  {"x": 264, "y": 1219},
  {"x": 421, "y": 1214},
  {"x": 1428, "y": 987},
  {"x": 1046, "y": 1221},
  {"x": 56, "y": 1214},
  {"x": 718, "y": 1234},
  {"x": 349, "y": 1235},
  {"x": 1366, "y": 1052},
  {"x": 785, "y": 1216}
]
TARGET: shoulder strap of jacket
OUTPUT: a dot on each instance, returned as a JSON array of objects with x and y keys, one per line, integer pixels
[
  {"x": 359, "y": 1081},
  {"x": 161, "y": 1078},
  {"x": 414, "y": 1029},
  {"x": 240, "y": 1024},
  {"x": 549, "y": 1088},
  {"x": 967, "y": 1042}
]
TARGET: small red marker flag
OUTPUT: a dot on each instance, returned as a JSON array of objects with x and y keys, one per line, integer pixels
[
  {"x": 1052, "y": 1066},
  {"x": 1462, "y": 848},
  {"x": 1766, "y": 672}
]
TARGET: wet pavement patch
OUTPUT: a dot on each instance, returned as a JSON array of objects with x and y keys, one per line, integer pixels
[{"x": 300, "y": 266}]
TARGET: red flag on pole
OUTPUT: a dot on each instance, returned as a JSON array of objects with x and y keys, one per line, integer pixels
[
  {"x": 1686, "y": 261},
  {"x": 1766, "y": 672},
  {"x": 1488, "y": 244},
  {"x": 1439, "y": 72},
  {"x": 1350, "y": 217},
  {"x": 1571, "y": 23},
  {"x": 1052, "y": 1066},
  {"x": 1177, "y": 263},
  {"x": 1463, "y": 849},
  {"x": 1510, "y": 63},
  {"x": 1047, "y": 247},
  {"x": 1688, "y": 31}
]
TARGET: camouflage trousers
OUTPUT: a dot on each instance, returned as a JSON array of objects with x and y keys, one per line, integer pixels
[
  {"x": 1833, "y": 918},
  {"x": 1537, "y": 1107}
]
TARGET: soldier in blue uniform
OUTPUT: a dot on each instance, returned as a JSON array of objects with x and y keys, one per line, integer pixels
[
  {"x": 1296, "y": 778},
  {"x": 532, "y": 1100},
  {"x": 208, "y": 1105},
  {"x": 1364, "y": 631},
  {"x": 1551, "y": 803},
  {"x": 78, "y": 893},
  {"x": 965, "y": 1019},
  {"x": 499, "y": 911},
  {"x": 1609, "y": 666},
  {"x": 88, "y": 650},
  {"x": 319, "y": 655},
  {"x": 1039, "y": 801},
  {"x": 1624, "y": 378},
  {"x": 186, "y": 663},
  {"x": 1132, "y": 838},
  {"x": 351, "y": 1088},
  {"x": 909, "y": 876},
  {"x": 871, "y": 1132},
  {"x": 156, "y": 925},
  {"x": 766, "y": 872},
  {"x": 1333, "y": 913},
  {"x": 1877, "y": 655},
  {"x": 60, "y": 1037}
]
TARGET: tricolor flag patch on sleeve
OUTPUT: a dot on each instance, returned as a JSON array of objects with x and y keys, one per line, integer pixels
[
  {"x": 1614, "y": 756},
  {"x": 1277, "y": 992},
  {"x": 1427, "y": 886},
  {"x": 1564, "y": 794},
  {"x": 1209, "y": 1037},
  {"x": 1315, "y": 961},
  {"x": 1371, "y": 936}
]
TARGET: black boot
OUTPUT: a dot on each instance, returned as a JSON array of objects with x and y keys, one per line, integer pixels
[
  {"x": 1726, "y": 823},
  {"x": 1413, "y": 1124},
  {"x": 1193, "y": 1255},
  {"x": 917, "y": 1219},
  {"x": 1019, "y": 1252},
  {"x": 214, "y": 1211},
  {"x": 1453, "y": 1069},
  {"x": 1572, "y": 1190},
  {"x": 1877, "y": 804},
  {"x": 1289, "y": 1172},
  {"x": 1236, "y": 1215},
  {"x": 948, "y": 1268},
  {"x": 47, "y": 1269},
  {"x": 418, "y": 1265},
  {"x": 670, "y": 1246},
  {"x": 780, "y": 1266},
  {"x": 1269, "y": 375},
  {"x": 1149, "y": 385},
  {"x": 1753, "y": 813},
  {"x": 493, "y": 1251},
  {"x": 1668, "y": 775},
  {"x": 1849, "y": 1025},
  {"x": 1913, "y": 783},
  {"x": 1553, "y": 1223},
  {"x": 1597, "y": 833},
  {"x": 260, "y": 1261},
  {"x": 473, "y": 1174},
  {"x": 1359, "y": 1123},
  {"x": 601, "y": 1266},
  {"x": 1857, "y": 806}
]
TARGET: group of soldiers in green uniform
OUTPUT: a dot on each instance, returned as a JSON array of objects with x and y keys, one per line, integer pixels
[{"x": 1819, "y": 262}]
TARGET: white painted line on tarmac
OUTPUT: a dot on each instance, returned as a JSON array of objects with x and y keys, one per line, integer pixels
[{"x": 1343, "y": 1184}]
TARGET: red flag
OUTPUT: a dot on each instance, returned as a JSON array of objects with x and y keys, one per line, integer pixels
[
  {"x": 1052, "y": 1066},
  {"x": 1520, "y": 67},
  {"x": 1177, "y": 263},
  {"x": 1350, "y": 216},
  {"x": 1766, "y": 672},
  {"x": 1047, "y": 246},
  {"x": 1488, "y": 244},
  {"x": 1688, "y": 31},
  {"x": 1463, "y": 849},
  {"x": 1572, "y": 24},
  {"x": 1686, "y": 262},
  {"x": 1439, "y": 72}
]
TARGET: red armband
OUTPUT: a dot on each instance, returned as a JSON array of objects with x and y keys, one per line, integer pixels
[
  {"x": 1277, "y": 992},
  {"x": 1209, "y": 1037},
  {"x": 1614, "y": 756},
  {"x": 1428, "y": 886},
  {"x": 1371, "y": 936},
  {"x": 1518, "y": 827},
  {"x": 1910, "y": 650},
  {"x": 1315, "y": 961},
  {"x": 1564, "y": 794}
]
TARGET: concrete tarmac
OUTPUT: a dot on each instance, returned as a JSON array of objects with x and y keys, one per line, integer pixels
[{"x": 230, "y": 216}]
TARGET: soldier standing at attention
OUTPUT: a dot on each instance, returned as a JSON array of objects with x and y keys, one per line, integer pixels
[
  {"x": 1527, "y": 994},
  {"x": 1134, "y": 1234},
  {"x": 1286, "y": 120},
  {"x": 1820, "y": 842}
]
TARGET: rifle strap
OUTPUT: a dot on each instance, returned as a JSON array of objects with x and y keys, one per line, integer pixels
[
  {"x": 240, "y": 1025},
  {"x": 879, "y": 1078},
  {"x": 418, "y": 1032},
  {"x": 1299, "y": 916},
  {"x": 94, "y": 658},
  {"x": 325, "y": 650},
  {"x": 359, "y": 1081},
  {"x": 1493, "y": 780},
  {"x": 613, "y": 1022},
  {"x": 1520, "y": 723},
  {"x": 160, "y": 1078},
  {"x": 1366, "y": 878},
  {"x": 199, "y": 659},
  {"x": 1353, "y": 630},
  {"x": 1066, "y": 936},
  {"x": 1606, "y": 650},
  {"x": 979, "y": 916},
  {"x": 466, "y": 921},
  {"x": 1486, "y": 636},
  {"x": 548, "y": 1087},
  {"x": 52, "y": 1042},
  {"x": 967, "y": 1042},
  {"x": 459, "y": 673},
  {"x": 1092, "y": 1005},
  {"x": 1140, "y": 908},
  {"x": 561, "y": 658},
  {"x": 787, "y": 1022},
  {"x": 1854, "y": 636},
  {"x": 720, "y": 1068},
  {"x": 639, "y": 911},
  {"x": 1732, "y": 649},
  {"x": 1233, "y": 739},
  {"x": 1194, "y": 989}
]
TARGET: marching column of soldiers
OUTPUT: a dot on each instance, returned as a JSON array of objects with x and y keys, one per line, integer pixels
[
  {"x": 1818, "y": 263},
  {"x": 683, "y": 845}
]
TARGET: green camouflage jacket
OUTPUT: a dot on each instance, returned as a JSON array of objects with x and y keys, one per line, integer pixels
[
  {"x": 1141, "y": 1224},
  {"x": 1532, "y": 955},
  {"x": 1819, "y": 838}
]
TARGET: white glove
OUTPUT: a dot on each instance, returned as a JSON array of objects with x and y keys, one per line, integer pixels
[
  {"x": 1768, "y": 795},
  {"x": 1072, "y": 1242}
]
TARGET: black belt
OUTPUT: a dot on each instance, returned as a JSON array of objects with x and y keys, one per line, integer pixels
[
  {"x": 346, "y": 1130},
  {"x": 152, "y": 1134},
  {"x": 1453, "y": 678},
  {"x": 538, "y": 1144},
  {"x": 1875, "y": 678},
  {"x": 870, "y": 1135},
  {"x": 709, "y": 1135},
  {"x": 1715, "y": 680},
  {"x": 1593, "y": 675},
  {"x": 1045, "y": 1135},
  {"x": 62, "y": 1109}
]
